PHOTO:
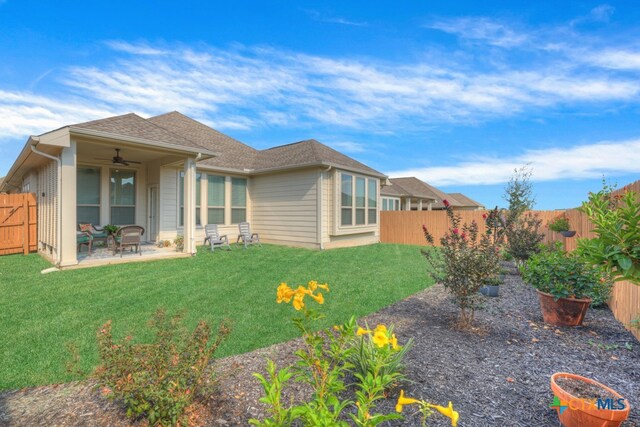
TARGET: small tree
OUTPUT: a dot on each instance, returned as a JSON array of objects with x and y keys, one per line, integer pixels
[
  {"x": 466, "y": 261},
  {"x": 522, "y": 228}
]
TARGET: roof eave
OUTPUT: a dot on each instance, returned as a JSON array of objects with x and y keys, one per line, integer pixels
[
  {"x": 22, "y": 157},
  {"x": 205, "y": 153},
  {"x": 316, "y": 164}
]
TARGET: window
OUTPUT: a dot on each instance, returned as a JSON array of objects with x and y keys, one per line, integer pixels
[
  {"x": 361, "y": 209},
  {"x": 215, "y": 199},
  {"x": 347, "y": 200},
  {"x": 181, "y": 195},
  {"x": 238, "y": 200},
  {"x": 389, "y": 204},
  {"x": 372, "y": 201},
  {"x": 88, "y": 195},
  {"x": 123, "y": 196}
]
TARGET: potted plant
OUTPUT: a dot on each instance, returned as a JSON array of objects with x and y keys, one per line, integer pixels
[
  {"x": 583, "y": 402},
  {"x": 179, "y": 242},
  {"x": 492, "y": 286},
  {"x": 110, "y": 229},
  {"x": 564, "y": 283},
  {"x": 561, "y": 225}
]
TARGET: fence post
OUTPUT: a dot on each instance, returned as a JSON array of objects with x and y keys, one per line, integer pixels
[{"x": 25, "y": 224}]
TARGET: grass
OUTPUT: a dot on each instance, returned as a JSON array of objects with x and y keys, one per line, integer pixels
[{"x": 40, "y": 314}]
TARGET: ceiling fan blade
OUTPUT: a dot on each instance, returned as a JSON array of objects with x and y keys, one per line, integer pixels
[
  {"x": 98, "y": 158},
  {"x": 132, "y": 161}
]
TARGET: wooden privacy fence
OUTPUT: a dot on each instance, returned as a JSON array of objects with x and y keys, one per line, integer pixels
[
  {"x": 405, "y": 227},
  {"x": 18, "y": 223}
]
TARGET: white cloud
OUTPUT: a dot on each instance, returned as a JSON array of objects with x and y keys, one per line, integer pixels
[
  {"x": 245, "y": 87},
  {"x": 577, "y": 162},
  {"x": 335, "y": 19},
  {"x": 481, "y": 29},
  {"x": 347, "y": 146},
  {"x": 616, "y": 59}
]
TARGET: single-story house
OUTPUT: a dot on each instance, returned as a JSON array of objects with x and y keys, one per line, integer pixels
[
  {"x": 460, "y": 202},
  {"x": 410, "y": 193},
  {"x": 172, "y": 175}
]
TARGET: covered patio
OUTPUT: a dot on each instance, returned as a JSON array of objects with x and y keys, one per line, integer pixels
[{"x": 101, "y": 255}]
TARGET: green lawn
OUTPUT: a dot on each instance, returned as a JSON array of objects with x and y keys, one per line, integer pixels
[{"x": 39, "y": 314}]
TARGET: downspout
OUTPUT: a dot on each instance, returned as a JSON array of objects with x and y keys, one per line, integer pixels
[
  {"x": 59, "y": 195},
  {"x": 319, "y": 214}
]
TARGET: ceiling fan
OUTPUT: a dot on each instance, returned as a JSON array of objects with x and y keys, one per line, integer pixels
[{"x": 117, "y": 160}]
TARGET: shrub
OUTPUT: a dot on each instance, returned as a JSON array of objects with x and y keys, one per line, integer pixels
[
  {"x": 161, "y": 379},
  {"x": 524, "y": 237},
  {"x": 617, "y": 224},
  {"x": 179, "y": 242},
  {"x": 559, "y": 224},
  {"x": 565, "y": 275},
  {"x": 464, "y": 264}
]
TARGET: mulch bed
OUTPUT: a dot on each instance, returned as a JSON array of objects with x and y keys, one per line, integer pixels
[{"x": 497, "y": 375}]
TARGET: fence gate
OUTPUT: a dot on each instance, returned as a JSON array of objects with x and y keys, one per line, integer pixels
[{"x": 18, "y": 223}]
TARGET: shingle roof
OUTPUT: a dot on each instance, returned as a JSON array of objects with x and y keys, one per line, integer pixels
[
  {"x": 135, "y": 126},
  {"x": 392, "y": 190},
  {"x": 466, "y": 201},
  {"x": 414, "y": 187},
  {"x": 231, "y": 153},
  {"x": 307, "y": 153}
]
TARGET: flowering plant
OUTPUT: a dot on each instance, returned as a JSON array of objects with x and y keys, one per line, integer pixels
[
  {"x": 464, "y": 263},
  {"x": 426, "y": 409},
  {"x": 323, "y": 363}
]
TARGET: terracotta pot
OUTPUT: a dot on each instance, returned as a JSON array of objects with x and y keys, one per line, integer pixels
[
  {"x": 580, "y": 413},
  {"x": 565, "y": 311}
]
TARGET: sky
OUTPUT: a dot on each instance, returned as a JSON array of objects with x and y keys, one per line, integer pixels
[{"x": 458, "y": 94}]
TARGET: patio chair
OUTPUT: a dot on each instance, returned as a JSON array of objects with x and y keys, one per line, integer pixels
[
  {"x": 127, "y": 236},
  {"x": 214, "y": 238},
  {"x": 84, "y": 238},
  {"x": 246, "y": 236},
  {"x": 97, "y": 233}
]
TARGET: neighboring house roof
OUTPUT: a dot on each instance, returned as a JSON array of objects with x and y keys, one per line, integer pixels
[
  {"x": 231, "y": 153},
  {"x": 466, "y": 201},
  {"x": 413, "y": 187},
  {"x": 1, "y": 179},
  {"x": 392, "y": 190},
  {"x": 132, "y": 125},
  {"x": 308, "y": 153}
]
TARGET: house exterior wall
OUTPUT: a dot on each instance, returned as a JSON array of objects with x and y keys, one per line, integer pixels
[
  {"x": 285, "y": 207},
  {"x": 47, "y": 197}
]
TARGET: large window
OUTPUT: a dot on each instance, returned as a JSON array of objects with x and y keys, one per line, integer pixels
[
  {"x": 238, "y": 200},
  {"x": 361, "y": 209},
  {"x": 181, "y": 196},
  {"x": 390, "y": 204},
  {"x": 215, "y": 199},
  {"x": 123, "y": 196},
  {"x": 346, "y": 211},
  {"x": 88, "y": 195}
]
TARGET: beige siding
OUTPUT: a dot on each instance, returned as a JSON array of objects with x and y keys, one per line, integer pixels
[
  {"x": 284, "y": 207},
  {"x": 48, "y": 209}
]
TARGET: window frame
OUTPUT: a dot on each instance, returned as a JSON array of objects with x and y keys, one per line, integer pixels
[
  {"x": 224, "y": 195},
  {"x": 135, "y": 194},
  {"x": 233, "y": 207},
  {"x": 339, "y": 227},
  {"x": 99, "y": 205}
]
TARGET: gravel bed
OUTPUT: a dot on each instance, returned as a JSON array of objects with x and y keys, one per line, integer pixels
[{"x": 497, "y": 375}]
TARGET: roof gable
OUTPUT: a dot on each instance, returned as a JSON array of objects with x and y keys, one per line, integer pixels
[
  {"x": 132, "y": 125},
  {"x": 413, "y": 187},
  {"x": 231, "y": 153}
]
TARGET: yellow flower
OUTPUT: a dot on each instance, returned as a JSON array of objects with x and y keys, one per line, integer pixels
[
  {"x": 298, "y": 301},
  {"x": 404, "y": 401},
  {"x": 313, "y": 285},
  {"x": 319, "y": 298},
  {"x": 380, "y": 338},
  {"x": 284, "y": 293},
  {"x": 362, "y": 331},
  {"x": 448, "y": 412},
  {"x": 381, "y": 328},
  {"x": 394, "y": 342},
  {"x": 324, "y": 286},
  {"x": 302, "y": 291}
]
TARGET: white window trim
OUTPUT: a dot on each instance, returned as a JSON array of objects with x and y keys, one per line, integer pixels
[
  {"x": 136, "y": 185},
  {"x": 391, "y": 199},
  {"x": 99, "y": 205},
  {"x": 338, "y": 228}
]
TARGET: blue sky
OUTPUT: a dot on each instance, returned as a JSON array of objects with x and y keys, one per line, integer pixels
[{"x": 458, "y": 95}]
